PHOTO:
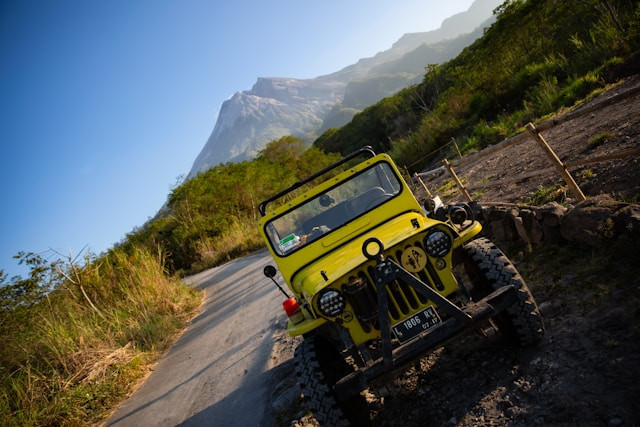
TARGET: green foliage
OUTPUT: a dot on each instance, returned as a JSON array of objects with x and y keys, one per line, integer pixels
[
  {"x": 545, "y": 194},
  {"x": 213, "y": 216},
  {"x": 24, "y": 293},
  {"x": 74, "y": 340},
  {"x": 537, "y": 57},
  {"x": 599, "y": 139}
]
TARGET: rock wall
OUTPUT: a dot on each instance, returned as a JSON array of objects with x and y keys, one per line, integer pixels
[{"x": 596, "y": 222}]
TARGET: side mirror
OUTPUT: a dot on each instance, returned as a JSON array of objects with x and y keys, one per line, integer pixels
[{"x": 269, "y": 271}]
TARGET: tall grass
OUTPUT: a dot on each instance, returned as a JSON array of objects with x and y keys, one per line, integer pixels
[
  {"x": 240, "y": 239},
  {"x": 72, "y": 355}
]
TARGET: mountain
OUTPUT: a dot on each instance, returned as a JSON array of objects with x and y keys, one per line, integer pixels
[
  {"x": 275, "y": 107},
  {"x": 390, "y": 77}
]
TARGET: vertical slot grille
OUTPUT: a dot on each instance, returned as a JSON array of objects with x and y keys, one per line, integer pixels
[{"x": 403, "y": 299}]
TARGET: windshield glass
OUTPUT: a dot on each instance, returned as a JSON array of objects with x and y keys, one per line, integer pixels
[{"x": 332, "y": 209}]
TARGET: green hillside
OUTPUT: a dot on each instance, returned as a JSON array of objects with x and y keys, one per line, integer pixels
[
  {"x": 390, "y": 77},
  {"x": 76, "y": 334},
  {"x": 537, "y": 57}
]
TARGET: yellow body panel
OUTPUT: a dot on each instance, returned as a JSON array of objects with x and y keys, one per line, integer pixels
[
  {"x": 345, "y": 258},
  {"x": 330, "y": 260},
  {"x": 304, "y": 327},
  {"x": 289, "y": 264}
]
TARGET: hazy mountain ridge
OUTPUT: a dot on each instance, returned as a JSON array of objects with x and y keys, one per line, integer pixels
[
  {"x": 390, "y": 77},
  {"x": 276, "y": 107}
]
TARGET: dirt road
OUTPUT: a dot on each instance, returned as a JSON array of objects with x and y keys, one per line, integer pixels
[{"x": 220, "y": 371}]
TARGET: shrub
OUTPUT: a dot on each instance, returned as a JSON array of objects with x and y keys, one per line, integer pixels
[{"x": 70, "y": 356}]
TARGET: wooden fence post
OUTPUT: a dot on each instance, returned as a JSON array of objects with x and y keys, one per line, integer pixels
[
  {"x": 455, "y": 144},
  {"x": 463, "y": 190},
  {"x": 416, "y": 176},
  {"x": 557, "y": 163}
]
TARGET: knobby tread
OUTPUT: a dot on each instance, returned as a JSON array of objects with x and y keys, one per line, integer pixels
[
  {"x": 522, "y": 320},
  {"x": 316, "y": 392}
]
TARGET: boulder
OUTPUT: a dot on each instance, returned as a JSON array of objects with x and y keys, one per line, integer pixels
[
  {"x": 504, "y": 230},
  {"x": 532, "y": 226},
  {"x": 522, "y": 231},
  {"x": 591, "y": 222},
  {"x": 551, "y": 234},
  {"x": 549, "y": 215},
  {"x": 494, "y": 214},
  {"x": 626, "y": 222}
]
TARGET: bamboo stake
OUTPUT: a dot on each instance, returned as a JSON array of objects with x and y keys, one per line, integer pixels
[
  {"x": 463, "y": 190},
  {"x": 547, "y": 124},
  {"x": 613, "y": 156},
  {"x": 555, "y": 160},
  {"x": 455, "y": 144},
  {"x": 423, "y": 185}
]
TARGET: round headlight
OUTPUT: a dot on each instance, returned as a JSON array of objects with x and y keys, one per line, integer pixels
[
  {"x": 437, "y": 243},
  {"x": 331, "y": 303}
]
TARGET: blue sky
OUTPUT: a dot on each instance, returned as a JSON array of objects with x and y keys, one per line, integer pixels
[{"x": 105, "y": 104}]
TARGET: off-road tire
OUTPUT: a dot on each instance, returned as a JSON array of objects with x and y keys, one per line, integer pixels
[
  {"x": 489, "y": 269},
  {"x": 318, "y": 367}
]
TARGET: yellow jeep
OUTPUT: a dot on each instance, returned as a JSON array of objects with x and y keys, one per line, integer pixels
[{"x": 378, "y": 280}]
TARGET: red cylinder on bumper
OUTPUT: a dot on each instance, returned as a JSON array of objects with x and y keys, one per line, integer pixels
[{"x": 293, "y": 311}]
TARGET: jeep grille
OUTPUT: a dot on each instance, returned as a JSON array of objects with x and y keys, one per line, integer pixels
[{"x": 403, "y": 299}]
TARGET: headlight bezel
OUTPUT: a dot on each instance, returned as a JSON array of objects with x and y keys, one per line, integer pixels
[
  {"x": 331, "y": 302},
  {"x": 437, "y": 243}
]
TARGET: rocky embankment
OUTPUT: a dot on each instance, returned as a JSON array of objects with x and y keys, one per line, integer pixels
[{"x": 596, "y": 222}]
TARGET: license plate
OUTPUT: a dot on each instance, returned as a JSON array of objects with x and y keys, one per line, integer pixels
[{"x": 414, "y": 325}]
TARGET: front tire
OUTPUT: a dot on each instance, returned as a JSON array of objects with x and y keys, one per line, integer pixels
[
  {"x": 490, "y": 269},
  {"x": 318, "y": 367}
]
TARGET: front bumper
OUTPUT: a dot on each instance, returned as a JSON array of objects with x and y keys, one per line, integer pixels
[{"x": 458, "y": 320}]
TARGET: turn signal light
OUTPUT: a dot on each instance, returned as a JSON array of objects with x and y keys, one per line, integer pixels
[{"x": 293, "y": 311}]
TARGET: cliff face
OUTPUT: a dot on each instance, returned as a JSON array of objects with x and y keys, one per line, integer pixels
[
  {"x": 273, "y": 108},
  {"x": 276, "y": 107}
]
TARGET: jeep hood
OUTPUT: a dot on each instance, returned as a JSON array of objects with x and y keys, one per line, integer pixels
[{"x": 346, "y": 255}]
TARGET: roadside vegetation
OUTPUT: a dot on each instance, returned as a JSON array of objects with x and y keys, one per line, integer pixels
[
  {"x": 75, "y": 335},
  {"x": 74, "y": 339},
  {"x": 212, "y": 218}
]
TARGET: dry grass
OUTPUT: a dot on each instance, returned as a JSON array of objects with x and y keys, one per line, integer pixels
[
  {"x": 68, "y": 359},
  {"x": 241, "y": 239}
]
